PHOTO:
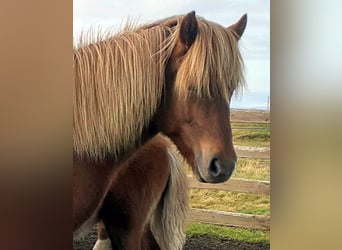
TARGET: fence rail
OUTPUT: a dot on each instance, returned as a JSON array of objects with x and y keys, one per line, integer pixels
[
  {"x": 251, "y": 221},
  {"x": 252, "y": 154},
  {"x": 235, "y": 185},
  {"x": 250, "y": 128},
  {"x": 256, "y": 121}
]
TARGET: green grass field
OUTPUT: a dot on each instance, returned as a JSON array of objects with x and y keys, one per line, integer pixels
[
  {"x": 247, "y": 235},
  {"x": 245, "y": 134},
  {"x": 251, "y": 134}
]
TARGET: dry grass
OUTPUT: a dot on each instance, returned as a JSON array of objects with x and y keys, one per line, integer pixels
[
  {"x": 249, "y": 125},
  {"x": 256, "y": 169},
  {"x": 249, "y": 115},
  {"x": 229, "y": 201}
]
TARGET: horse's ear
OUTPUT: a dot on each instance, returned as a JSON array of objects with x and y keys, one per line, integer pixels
[
  {"x": 188, "y": 29},
  {"x": 186, "y": 37},
  {"x": 240, "y": 26}
]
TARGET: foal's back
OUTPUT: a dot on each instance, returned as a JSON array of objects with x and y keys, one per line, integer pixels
[{"x": 134, "y": 195}]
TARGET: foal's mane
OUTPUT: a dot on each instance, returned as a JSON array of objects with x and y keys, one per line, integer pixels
[{"x": 118, "y": 80}]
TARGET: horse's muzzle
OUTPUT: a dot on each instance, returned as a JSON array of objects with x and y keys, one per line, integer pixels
[
  {"x": 220, "y": 170},
  {"x": 215, "y": 170}
]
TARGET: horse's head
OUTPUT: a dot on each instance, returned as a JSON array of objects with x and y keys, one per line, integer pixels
[{"x": 195, "y": 107}]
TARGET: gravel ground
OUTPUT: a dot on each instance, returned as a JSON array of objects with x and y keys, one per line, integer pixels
[{"x": 192, "y": 243}]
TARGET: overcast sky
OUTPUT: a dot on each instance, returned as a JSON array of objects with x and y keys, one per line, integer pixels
[{"x": 255, "y": 43}]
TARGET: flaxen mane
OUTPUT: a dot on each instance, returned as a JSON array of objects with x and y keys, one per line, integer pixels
[
  {"x": 118, "y": 82},
  {"x": 213, "y": 66}
]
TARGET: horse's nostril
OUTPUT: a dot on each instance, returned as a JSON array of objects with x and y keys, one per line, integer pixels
[{"x": 215, "y": 168}]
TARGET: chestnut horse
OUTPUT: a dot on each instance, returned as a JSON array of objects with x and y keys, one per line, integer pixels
[
  {"x": 174, "y": 76},
  {"x": 147, "y": 201}
]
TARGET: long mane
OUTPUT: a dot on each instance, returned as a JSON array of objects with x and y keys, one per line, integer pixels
[
  {"x": 118, "y": 84},
  {"x": 213, "y": 65},
  {"x": 118, "y": 81}
]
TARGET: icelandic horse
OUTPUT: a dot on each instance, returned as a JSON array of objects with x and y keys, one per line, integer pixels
[
  {"x": 147, "y": 201},
  {"x": 175, "y": 76}
]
